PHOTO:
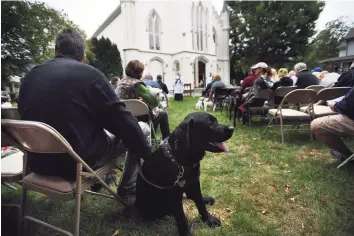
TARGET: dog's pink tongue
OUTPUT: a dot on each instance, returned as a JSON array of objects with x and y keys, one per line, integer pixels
[{"x": 222, "y": 146}]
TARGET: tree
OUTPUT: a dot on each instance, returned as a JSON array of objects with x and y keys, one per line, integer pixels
[
  {"x": 272, "y": 31},
  {"x": 28, "y": 34},
  {"x": 325, "y": 44},
  {"x": 106, "y": 57}
]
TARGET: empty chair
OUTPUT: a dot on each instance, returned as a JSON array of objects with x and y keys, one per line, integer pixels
[
  {"x": 219, "y": 97},
  {"x": 294, "y": 97},
  {"x": 38, "y": 137}
]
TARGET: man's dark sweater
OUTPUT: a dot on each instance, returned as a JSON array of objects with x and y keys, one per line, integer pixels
[
  {"x": 346, "y": 79},
  {"x": 346, "y": 105},
  {"x": 305, "y": 78},
  {"x": 78, "y": 101}
]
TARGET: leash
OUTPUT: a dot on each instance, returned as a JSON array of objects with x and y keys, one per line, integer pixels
[{"x": 180, "y": 183}]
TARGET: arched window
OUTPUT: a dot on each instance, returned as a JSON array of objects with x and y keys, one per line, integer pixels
[
  {"x": 193, "y": 26},
  {"x": 215, "y": 38},
  {"x": 176, "y": 67},
  {"x": 154, "y": 29},
  {"x": 206, "y": 28},
  {"x": 201, "y": 25},
  {"x": 198, "y": 26}
]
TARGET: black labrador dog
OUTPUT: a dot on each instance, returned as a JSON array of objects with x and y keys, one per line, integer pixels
[{"x": 173, "y": 169}]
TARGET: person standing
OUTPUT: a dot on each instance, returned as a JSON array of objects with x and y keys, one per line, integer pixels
[
  {"x": 209, "y": 80},
  {"x": 162, "y": 84},
  {"x": 178, "y": 87}
]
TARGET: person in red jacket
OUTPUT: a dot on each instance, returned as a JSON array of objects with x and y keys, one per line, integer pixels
[{"x": 249, "y": 80}]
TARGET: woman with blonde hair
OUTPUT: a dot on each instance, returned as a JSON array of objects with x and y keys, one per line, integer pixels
[{"x": 275, "y": 76}]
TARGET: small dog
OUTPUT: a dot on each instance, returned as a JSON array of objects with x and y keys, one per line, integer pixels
[
  {"x": 199, "y": 105},
  {"x": 174, "y": 169},
  {"x": 161, "y": 99},
  {"x": 208, "y": 103}
]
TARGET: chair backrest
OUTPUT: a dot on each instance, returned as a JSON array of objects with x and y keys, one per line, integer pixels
[
  {"x": 267, "y": 94},
  {"x": 332, "y": 93},
  {"x": 35, "y": 136},
  {"x": 300, "y": 96},
  {"x": 221, "y": 92},
  {"x": 283, "y": 91},
  {"x": 10, "y": 113},
  {"x": 136, "y": 107},
  {"x": 317, "y": 88}
]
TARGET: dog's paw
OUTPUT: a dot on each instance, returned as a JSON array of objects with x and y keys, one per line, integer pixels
[
  {"x": 208, "y": 200},
  {"x": 212, "y": 221}
]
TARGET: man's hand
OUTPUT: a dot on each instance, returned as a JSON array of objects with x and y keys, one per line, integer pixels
[{"x": 331, "y": 106}]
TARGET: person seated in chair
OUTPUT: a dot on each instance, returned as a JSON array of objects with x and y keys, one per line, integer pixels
[
  {"x": 331, "y": 129},
  {"x": 255, "y": 98},
  {"x": 81, "y": 112},
  {"x": 217, "y": 84},
  {"x": 132, "y": 87},
  {"x": 284, "y": 81}
]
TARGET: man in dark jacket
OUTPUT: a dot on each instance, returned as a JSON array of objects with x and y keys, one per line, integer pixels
[
  {"x": 304, "y": 77},
  {"x": 346, "y": 79},
  {"x": 79, "y": 102},
  {"x": 330, "y": 129}
]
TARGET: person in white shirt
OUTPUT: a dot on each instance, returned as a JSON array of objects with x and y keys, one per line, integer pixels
[
  {"x": 209, "y": 79},
  {"x": 178, "y": 87}
]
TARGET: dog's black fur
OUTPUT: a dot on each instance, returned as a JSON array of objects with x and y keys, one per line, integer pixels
[{"x": 187, "y": 143}]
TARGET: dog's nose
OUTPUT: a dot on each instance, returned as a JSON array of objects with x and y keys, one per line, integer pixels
[{"x": 230, "y": 129}]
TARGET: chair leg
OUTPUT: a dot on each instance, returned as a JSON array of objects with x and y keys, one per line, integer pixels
[
  {"x": 281, "y": 130},
  {"x": 78, "y": 200},
  {"x": 346, "y": 161},
  {"x": 23, "y": 205},
  {"x": 270, "y": 122}
]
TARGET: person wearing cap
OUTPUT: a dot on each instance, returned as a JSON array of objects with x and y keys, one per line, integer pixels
[
  {"x": 317, "y": 69},
  {"x": 304, "y": 77},
  {"x": 249, "y": 80},
  {"x": 284, "y": 79}
]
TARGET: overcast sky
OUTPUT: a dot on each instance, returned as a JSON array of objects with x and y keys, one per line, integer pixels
[{"x": 89, "y": 14}]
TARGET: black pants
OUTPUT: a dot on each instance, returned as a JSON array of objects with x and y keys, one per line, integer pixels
[
  {"x": 178, "y": 97},
  {"x": 162, "y": 120}
]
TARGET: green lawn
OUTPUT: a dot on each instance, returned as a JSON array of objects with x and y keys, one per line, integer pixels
[{"x": 261, "y": 188}]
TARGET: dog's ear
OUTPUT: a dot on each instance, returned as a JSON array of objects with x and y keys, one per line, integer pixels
[{"x": 190, "y": 132}]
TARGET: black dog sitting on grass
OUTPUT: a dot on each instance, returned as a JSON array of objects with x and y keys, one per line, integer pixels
[{"x": 173, "y": 169}]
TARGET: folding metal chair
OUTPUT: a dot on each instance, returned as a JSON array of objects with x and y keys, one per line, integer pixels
[
  {"x": 10, "y": 113},
  {"x": 294, "y": 97},
  {"x": 280, "y": 93},
  {"x": 317, "y": 88},
  {"x": 141, "y": 111},
  {"x": 268, "y": 96},
  {"x": 326, "y": 94},
  {"x": 346, "y": 161},
  {"x": 219, "y": 97},
  {"x": 38, "y": 137}
]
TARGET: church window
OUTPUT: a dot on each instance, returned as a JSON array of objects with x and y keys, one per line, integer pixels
[
  {"x": 199, "y": 19},
  {"x": 154, "y": 29},
  {"x": 206, "y": 28},
  {"x": 193, "y": 26}
]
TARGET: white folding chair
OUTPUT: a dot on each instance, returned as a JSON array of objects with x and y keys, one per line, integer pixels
[
  {"x": 294, "y": 97},
  {"x": 36, "y": 137}
]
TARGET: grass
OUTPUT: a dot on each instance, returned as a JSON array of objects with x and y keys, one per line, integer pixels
[{"x": 261, "y": 188}]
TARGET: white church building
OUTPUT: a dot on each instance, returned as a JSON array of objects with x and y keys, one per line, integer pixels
[{"x": 167, "y": 36}]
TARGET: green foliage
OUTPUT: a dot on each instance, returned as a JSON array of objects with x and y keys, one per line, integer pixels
[
  {"x": 28, "y": 34},
  {"x": 105, "y": 57},
  {"x": 272, "y": 31},
  {"x": 325, "y": 44}
]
